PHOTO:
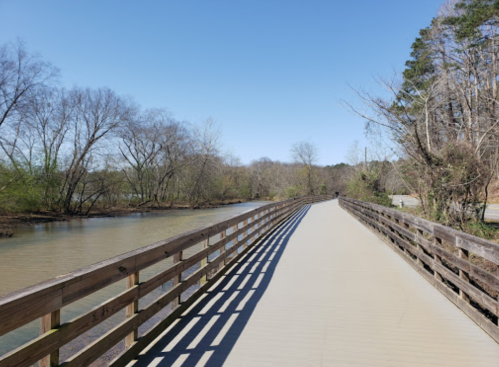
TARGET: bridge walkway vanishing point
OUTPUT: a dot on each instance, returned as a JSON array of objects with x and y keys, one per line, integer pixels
[{"x": 322, "y": 290}]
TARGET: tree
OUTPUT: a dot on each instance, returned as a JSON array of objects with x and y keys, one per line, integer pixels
[
  {"x": 443, "y": 113},
  {"x": 47, "y": 118},
  {"x": 21, "y": 74},
  {"x": 97, "y": 114},
  {"x": 305, "y": 153},
  {"x": 205, "y": 158}
]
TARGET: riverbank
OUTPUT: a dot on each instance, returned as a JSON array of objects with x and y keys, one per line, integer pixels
[{"x": 9, "y": 222}]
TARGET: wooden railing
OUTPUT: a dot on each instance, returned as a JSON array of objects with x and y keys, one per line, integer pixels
[
  {"x": 461, "y": 266},
  {"x": 45, "y": 300}
]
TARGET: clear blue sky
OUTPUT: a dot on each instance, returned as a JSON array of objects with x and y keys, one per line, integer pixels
[{"x": 270, "y": 72}]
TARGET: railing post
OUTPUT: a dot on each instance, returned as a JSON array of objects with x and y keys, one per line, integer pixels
[
  {"x": 133, "y": 308},
  {"x": 267, "y": 220},
  {"x": 245, "y": 233},
  {"x": 253, "y": 227},
  {"x": 204, "y": 262},
  {"x": 49, "y": 322},
  {"x": 418, "y": 246},
  {"x": 235, "y": 241},
  {"x": 464, "y": 254},
  {"x": 438, "y": 260},
  {"x": 222, "y": 249},
  {"x": 259, "y": 224},
  {"x": 177, "y": 279}
]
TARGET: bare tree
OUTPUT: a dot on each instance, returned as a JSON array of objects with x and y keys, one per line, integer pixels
[
  {"x": 305, "y": 153},
  {"x": 21, "y": 73},
  {"x": 154, "y": 147},
  {"x": 206, "y": 145},
  {"x": 97, "y": 114}
]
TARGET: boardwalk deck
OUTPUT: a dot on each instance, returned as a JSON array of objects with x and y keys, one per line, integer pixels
[{"x": 323, "y": 291}]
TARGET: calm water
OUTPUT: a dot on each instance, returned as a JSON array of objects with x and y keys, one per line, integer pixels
[{"x": 44, "y": 251}]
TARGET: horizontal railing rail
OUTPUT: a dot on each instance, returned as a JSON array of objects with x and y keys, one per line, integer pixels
[
  {"x": 44, "y": 301},
  {"x": 463, "y": 267}
]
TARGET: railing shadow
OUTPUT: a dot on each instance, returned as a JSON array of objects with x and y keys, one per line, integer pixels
[{"x": 206, "y": 334}]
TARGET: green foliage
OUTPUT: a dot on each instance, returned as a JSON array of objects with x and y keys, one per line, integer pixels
[
  {"x": 293, "y": 191},
  {"x": 481, "y": 229},
  {"x": 19, "y": 191},
  {"x": 366, "y": 186},
  {"x": 418, "y": 77},
  {"x": 420, "y": 70},
  {"x": 476, "y": 13},
  {"x": 338, "y": 166},
  {"x": 323, "y": 190}
]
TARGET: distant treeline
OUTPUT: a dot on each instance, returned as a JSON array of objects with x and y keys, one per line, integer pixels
[{"x": 73, "y": 150}]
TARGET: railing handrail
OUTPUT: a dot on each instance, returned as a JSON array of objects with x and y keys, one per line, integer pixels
[
  {"x": 430, "y": 249},
  {"x": 174, "y": 244},
  {"x": 464, "y": 240},
  {"x": 45, "y": 299}
]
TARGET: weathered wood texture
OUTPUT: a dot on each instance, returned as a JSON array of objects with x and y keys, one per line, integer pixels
[
  {"x": 44, "y": 301},
  {"x": 452, "y": 261}
]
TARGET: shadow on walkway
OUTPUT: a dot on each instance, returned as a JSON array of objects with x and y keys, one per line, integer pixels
[{"x": 207, "y": 332}]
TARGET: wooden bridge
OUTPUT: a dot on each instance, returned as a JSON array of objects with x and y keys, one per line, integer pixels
[{"x": 295, "y": 283}]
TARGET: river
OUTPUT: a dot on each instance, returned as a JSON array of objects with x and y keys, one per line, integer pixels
[{"x": 44, "y": 251}]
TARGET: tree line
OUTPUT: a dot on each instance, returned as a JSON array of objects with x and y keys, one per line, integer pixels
[
  {"x": 442, "y": 114},
  {"x": 74, "y": 150}
]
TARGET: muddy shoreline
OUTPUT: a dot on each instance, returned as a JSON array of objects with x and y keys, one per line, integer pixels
[{"x": 9, "y": 222}]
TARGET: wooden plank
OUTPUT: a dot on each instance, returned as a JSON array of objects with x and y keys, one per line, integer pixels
[
  {"x": 245, "y": 224},
  {"x": 123, "y": 359},
  {"x": 465, "y": 276},
  {"x": 440, "y": 271},
  {"x": 486, "y": 249},
  {"x": 95, "y": 276},
  {"x": 101, "y": 345},
  {"x": 21, "y": 307},
  {"x": 479, "y": 246},
  {"x": 132, "y": 309},
  {"x": 483, "y": 299},
  {"x": 177, "y": 278},
  {"x": 45, "y": 344},
  {"x": 462, "y": 263},
  {"x": 223, "y": 234},
  {"x": 476, "y": 316},
  {"x": 234, "y": 237},
  {"x": 204, "y": 261},
  {"x": 15, "y": 314},
  {"x": 48, "y": 323},
  {"x": 168, "y": 274}
]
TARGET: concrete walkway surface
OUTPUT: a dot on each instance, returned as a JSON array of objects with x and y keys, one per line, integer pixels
[{"x": 323, "y": 291}]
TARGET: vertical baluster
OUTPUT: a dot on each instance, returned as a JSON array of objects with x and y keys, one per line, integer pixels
[
  {"x": 177, "y": 279},
  {"x": 133, "y": 308},
  {"x": 49, "y": 322}
]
